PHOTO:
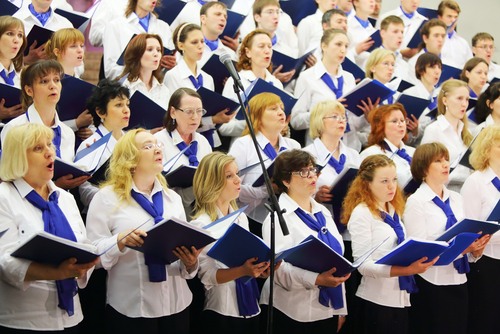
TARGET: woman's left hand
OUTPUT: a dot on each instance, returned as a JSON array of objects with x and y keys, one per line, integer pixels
[
  {"x": 477, "y": 247},
  {"x": 168, "y": 61},
  {"x": 412, "y": 125},
  {"x": 327, "y": 279},
  {"x": 189, "y": 258},
  {"x": 323, "y": 194}
]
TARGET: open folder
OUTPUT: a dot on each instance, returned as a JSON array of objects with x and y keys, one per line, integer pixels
[
  {"x": 351, "y": 67},
  {"x": 289, "y": 63},
  {"x": 86, "y": 162},
  {"x": 7, "y": 8},
  {"x": 233, "y": 23},
  {"x": 367, "y": 88},
  {"x": 480, "y": 227},
  {"x": 214, "y": 102},
  {"x": 165, "y": 236},
  {"x": 39, "y": 34},
  {"x": 79, "y": 20},
  {"x": 314, "y": 255},
  {"x": 144, "y": 112},
  {"x": 74, "y": 95},
  {"x": 413, "y": 105},
  {"x": 169, "y": 10},
  {"x": 218, "y": 71}
]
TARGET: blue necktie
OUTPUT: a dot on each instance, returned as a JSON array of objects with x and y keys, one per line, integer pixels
[
  {"x": 274, "y": 39},
  {"x": 190, "y": 152},
  {"x": 329, "y": 82},
  {"x": 461, "y": 265},
  {"x": 433, "y": 103},
  {"x": 408, "y": 15},
  {"x": 156, "y": 266},
  {"x": 328, "y": 297},
  {"x": 55, "y": 222},
  {"x": 144, "y": 22},
  {"x": 57, "y": 140},
  {"x": 270, "y": 152},
  {"x": 402, "y": 153},
  {"x": 496, "y": 183},
  {"x": 42, "y": 17},
  {"x": 247, "y": 296},
  {"x": 363, "y": 23},
  {"x": 405, "y": 282},
  {"x": 8, "y": 78},
  {"x": 213, "y": 45},
  {"x": 197, "y": 83},
  {"x": 337, "y": 165},
  {"x": 390, "y": 99}
]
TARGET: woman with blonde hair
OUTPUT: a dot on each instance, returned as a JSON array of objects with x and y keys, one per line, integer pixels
[
  {"x": 67, "y": 47},
  {"x": 451, "y": 127},
  {"x": 216, "y": 188},
  {"x": 433, "y": 208},
  {"x": 13, "y": 43},
  {"x": 481, "y": 193},
  {"x": 268, "y": 119},
  {"x": 135, "y": 192},
  {"x": 372, "y": 209},
  {"x": 37, "y": 296}
]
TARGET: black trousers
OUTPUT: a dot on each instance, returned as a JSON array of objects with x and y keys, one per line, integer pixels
[
  {"x": 282, "y": 324},
  {"x": 228, "y": 325},
  {"x": 71, "y": 330},
  {"x": 371, "y": 318}
]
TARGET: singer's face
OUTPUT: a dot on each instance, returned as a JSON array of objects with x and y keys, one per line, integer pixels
[
  {"x": 260, "y": 51},
  {"x": 395, "y": 127},
  {"x": 384, "y": 70},
  {"x": 273, "y": 118},
  {"x": 438, "y": 171},
  {"x": 269, "y": 18},
  {"x": 431, "y": 74},
  {"x": 150, "y": 59},
  {"x": 232, "y": 187},
  {"x": 215, "y": 20},
  {"x": 193, "y": 46},
  {"x": 336, "y": 49},
  {"x": 186, "y": 116}
]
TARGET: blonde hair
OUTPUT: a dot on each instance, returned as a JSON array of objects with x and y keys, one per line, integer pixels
[
  {"x": 61, "y": 40},
  {"x": 257, "y": 105},
  {"x": 209, "y": 182},
  {"x": 122, "y": 165},
  {"x": 359, "y": 191},
  {"x": 14, "y": 162},
  {"x": 481, "y": 148},
  {"x": 449, "y": 86},
  {"x": 320, "y": 110},
  {"x": 376, "y": 58}
]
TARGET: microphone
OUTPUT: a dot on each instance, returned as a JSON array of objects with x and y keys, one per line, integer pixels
[{"x": 225, "y": 58}]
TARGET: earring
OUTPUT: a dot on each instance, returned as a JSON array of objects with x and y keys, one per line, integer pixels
[
  {"x": 173, "y": 121},
  {"x": 132, "y": 170}
]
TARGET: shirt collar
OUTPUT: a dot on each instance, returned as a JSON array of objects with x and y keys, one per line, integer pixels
[
  {"x": 34, "y": 117},
  {"x": 156, "y": 188},
  {"x": 176, "y": 137},
  {"x": 24, "y": 188},
  {"x": 185, "y": 72},
  {"x": 429, "y": 194},
  {"x": 319, "y": 70},
  {"x": 444, "y": 124}
]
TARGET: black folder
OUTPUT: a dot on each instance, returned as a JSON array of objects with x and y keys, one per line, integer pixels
[
  {"x": 181, "y": 177},
  {"x": 417, "y": 38},
  {"x": 77, "y": 20},
  {"x": 169, "y": 10},
  {"x": 413, "y": 105},
  {"x": 339, "y": 189},
  {"x": 233, "y": 23},
  {"x": 428, "y": 12},
  {"x": 289, "y": 63},
  {"x": 74, "y": 95},
  {"x": 47, "y": 248},
  {"x": 214, "y": 102},
  {"x": 10, "y": 94},
  {"x": 39, "y": 34},
  {"x": 351, "y": 67},
  {"x": 298, "y": 9},
  {"x": 367, "y": 88},
  {"x": 377, "y": 40},
  {"x": 218, "y": 71},
  {"x": 145, "y": 112},
  {"x": 169, "y": 234},
  {"x": 7, "y": 8},
  {"x": 262, "y": 86},
  {"x": 449, "y": 72}
]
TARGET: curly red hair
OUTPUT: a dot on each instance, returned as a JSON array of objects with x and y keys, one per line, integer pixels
[{"x": 378, "y": 119}]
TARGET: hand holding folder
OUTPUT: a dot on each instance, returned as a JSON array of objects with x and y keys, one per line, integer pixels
[
  {"x": 39, "y": 34},
  {"x": 289, "y": 63},
  {"x": 214, "y": 102},
  {"x": 233, "y": 23},
  {"x": 413, "y": 105},
  {"x": 74, "y": 95},
  {"x": 367, "y": 88}
]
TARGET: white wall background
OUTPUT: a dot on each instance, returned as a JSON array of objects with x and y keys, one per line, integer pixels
[{"x": 476, "y": 16}]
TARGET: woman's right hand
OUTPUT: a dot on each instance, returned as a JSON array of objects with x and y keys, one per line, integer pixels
[
  {"x": 70, "y": 269},
  {"x": 327, "y": 279},
  {"x": 253, "y": 269},
  {"x": 222, "y": 117},
  {"x": 68, "y": 182},
  {"x": 130, "y": 237},
  {"x": 323, "y": 194},
  {"x": 10, "y": 112},
  {"x": 417, "y": 267}
]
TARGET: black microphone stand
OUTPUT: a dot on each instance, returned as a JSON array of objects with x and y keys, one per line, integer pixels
[{"x": 273, "y": 207}]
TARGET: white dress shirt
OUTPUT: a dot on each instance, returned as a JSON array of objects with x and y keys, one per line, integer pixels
[
  {"x": 442, "y": 132},
  {"x": 295, "y": 292},
  {"x": 242, "y": 149},
  {"x": 159, "y": 92},
  {"x": 480, "y": 197},
  {"x": 493, "y": 71},
  {"x": 309, "y": 32},
  {"x": 129, "y": 290},
  {"x": 235, "y": 127},
  {"x": 377, "y": 285},
  {"x": 219, "y": 297},
  {"x": 32, "y": 305},
  {"x": 311, "y": 89},
  {"x": 456, "y": 51},
  {"x": 402, "y": 166},
  {"x": 411, "y": 25},
  {"x": 424, "y": 219},
  {"x": 105, "y": 12},
  {"x": 117, "y": 35},
  {"x": 489, "y": 121},
  {"x": 32, "y": 116},
  {"x": 356, "y": 34},
  {"x": 170, "y": 150},
  {"x": 54, "y": 23},
  {"x": 17, "y": 76}
]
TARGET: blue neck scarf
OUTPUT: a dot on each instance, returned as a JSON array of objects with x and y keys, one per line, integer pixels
[
  {"x": 274, "y": 39},
  {"x": 55, "y": 222},
  {"x": 197, "y": 82},
  {"x": 270, "y": 152},
  {"x": 201, "y": 2},
  {"x": 337, "y": 165},
  {"x": 247, "y": 296},
  {"x": 213, "y": 45},
  {"x": 433, "y": 103},
  {"x": 461, "y": 265},
  {"x": 408, "y": 15},
  {"x": 400, "y": 152},
  {"x": 364, "y": 24},
  {"x": 405, "y": 282},
  {"x": 328, "y": 297},
  {"x": 144, "y": 21},
  {"x": 42, "y": 17},
  {"x": 190, "y": 152},
  {"x": 472, "y": 94},
  {"x": 156, "y": 267},
  {"x": 496, "y": 183},
  {"x": 329, "y": 82},
  {"x": 8, "y": 78}
]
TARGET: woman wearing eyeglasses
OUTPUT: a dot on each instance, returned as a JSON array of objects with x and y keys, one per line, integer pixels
[
  {"x": 144, "y": 294},
  {"x": 183, "y": 118},
  {"x": 268, "y": 121},
  {"x": 304, "y": 301},
  {"x": 388, "y": 136}
]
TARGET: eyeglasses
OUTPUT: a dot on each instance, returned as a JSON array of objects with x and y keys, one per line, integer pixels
[
  {"x": 272, "y": 11},
  {"x": 387, "y": 64},
  {"x": 307, "y": 172},
  {"x": 151, "y": 146},
  {"x": 397, "y": 121},
  {"x": 192, "y": 112},
  {"x": 486, "y": 47},
  {"x": 337, "y": 118}
]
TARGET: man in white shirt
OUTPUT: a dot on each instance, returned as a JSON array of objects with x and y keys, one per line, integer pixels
[
  {"x": 359, "y": 28},
  {"x": 40, "y": 13},
  {"x": 412, "y": 21},
  {"x": 106, "y": 11},
  {"x": 392, "y": 31},
  {"x": 456, "y": 50},
  {"x": 483, "y": 46},
  {"x": 309, "y": 30}
]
